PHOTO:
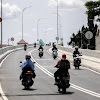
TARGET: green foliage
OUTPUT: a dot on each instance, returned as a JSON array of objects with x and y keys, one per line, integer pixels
[
  {"x": 62, "y": 44},
  {"x": 93, "y": 9}
]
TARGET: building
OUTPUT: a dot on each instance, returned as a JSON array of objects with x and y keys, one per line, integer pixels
[{"x": 22, "y": 42}]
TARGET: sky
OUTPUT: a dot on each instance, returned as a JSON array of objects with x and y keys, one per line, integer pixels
[{"x": 71, "y": 17}]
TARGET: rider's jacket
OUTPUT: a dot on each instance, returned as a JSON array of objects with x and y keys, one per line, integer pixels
[
  {"x": 76, "y": 52},
  {"x": 27, "y": 63},
  {"x": 63, "y": 64}
]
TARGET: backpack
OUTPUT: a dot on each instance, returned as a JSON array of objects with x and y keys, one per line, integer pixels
[{"x": 64, "y": 64}]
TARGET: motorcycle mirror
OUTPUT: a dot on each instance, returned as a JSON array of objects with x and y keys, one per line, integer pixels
[
  {"x": 34, "y": 62},
  {"x": 20, "y": 61}
]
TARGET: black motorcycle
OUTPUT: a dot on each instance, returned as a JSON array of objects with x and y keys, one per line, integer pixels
[
  {"x": 63, "y": 82},
  {"x": 27, "y": 80},
  {"x": 25, "y": 47},
  {"x": 35, "y": 45},
  {"x": 40, "y": 53},
  {"x": 54, "y": 54},
  {"x": 27, "y": 76}
]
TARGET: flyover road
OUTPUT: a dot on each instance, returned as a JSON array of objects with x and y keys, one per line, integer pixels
[{"x": 85, "y": 84}]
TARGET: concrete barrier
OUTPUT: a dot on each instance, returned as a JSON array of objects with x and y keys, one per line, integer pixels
[{"x": 7, "y": 50}]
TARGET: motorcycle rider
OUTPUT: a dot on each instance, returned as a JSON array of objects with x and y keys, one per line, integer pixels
[
  {"x": 25, "y": 46},
  {"x": 54, "y": 48},
  {"x": 76, "y": 52},
  {"x": 63, "y": 65},
  {"x": 35, "y": 44},
  {"x": 40, "y": 48},
  {"x": 27, "y": 65}
]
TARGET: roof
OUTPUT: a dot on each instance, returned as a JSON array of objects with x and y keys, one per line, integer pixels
[{"x": 22, "y": 42}]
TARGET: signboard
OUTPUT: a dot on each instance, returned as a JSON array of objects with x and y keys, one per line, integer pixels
[
  {"x": 0, "y": 19},
  {"x": 89, "y": 35},
  {"x": 12, "y": 39},
  {"x": 57, "y": 38}
]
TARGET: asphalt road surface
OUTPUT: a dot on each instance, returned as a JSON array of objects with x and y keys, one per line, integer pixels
[{"x": 85, "y": 84}]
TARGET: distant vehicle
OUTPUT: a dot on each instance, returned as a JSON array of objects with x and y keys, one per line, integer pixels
[
  {"x": 34, "y": 45},
  {"x": 25, "y": 47},
  {"x": 54, "y": 54},
  {"x": 40, "y": 53},
  {"x": 77, "y": 61}
]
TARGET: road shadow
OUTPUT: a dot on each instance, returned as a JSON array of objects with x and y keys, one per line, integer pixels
[
  {"x": 55, "y": 94},
  {"x": 78, "y": 69},
  {"x": 66, "y": 93},
  {"x": 30, "y": 89}
]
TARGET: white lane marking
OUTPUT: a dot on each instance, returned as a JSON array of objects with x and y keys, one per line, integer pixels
[
  {"x": 92, "y": 70},
  {"x": 2, "y": 93},
  {"x": 83, "y": 67},
  {"x": 4, "y": 59},
  {"x": 72, "y": 85},
  {"x": 43, "y": 59},
  {"x": 1, "y": 90}
]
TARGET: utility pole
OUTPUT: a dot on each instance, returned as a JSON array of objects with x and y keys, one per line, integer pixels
[
  {"x": 57, "y": 23},
  {"x": 37, "y": 30},
  {"x": 22, "y": 18}
]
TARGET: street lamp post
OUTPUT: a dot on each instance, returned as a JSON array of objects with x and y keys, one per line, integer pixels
[
  {"x": 57, "y": 22},
  {"x": 45, "y": 36},
  {"x": 22, "y": 18},
  {"x": 37, "y": 29},
  {"x": 60, "y": 28},
  {"x": 1, "y": 24}
]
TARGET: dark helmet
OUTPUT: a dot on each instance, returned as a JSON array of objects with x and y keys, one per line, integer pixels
[
  {"x": 40, "y": 45},
  {"x": 76, "y": 48},
  {"x": 28, "y": 57},
  {"x": 63, "y": 56}
]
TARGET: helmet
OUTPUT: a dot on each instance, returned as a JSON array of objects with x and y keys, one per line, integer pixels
[
  {"x": 76, "y": 48},
  {"x": 63, "y": 56},
  {"x": 27, "y": 56}
]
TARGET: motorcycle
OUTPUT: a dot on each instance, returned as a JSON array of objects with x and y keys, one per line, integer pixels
[
  {"x": 40, "y": 53},
  {"x": 63, "y": 82},
  {"x": 27, "y": 80},
  {"x": 54, "y": 54},
  {"x": 25, "y": 47},
  {"x": 27, "y": 77},
  {"x": 34, "y": 45},
  {"x": 77, "y": 61}
]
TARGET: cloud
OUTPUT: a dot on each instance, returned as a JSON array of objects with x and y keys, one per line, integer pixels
[
  {"x": 34, "y": 30},
  {"x": 50, "y": 29},
  {"x": 67, "y": 4},
  {"x": 10, "y": 11}
]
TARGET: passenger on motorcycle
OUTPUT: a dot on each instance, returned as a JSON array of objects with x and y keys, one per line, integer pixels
[
  {"x": 63, "y": 65},
  {"x": 27, "y": 65},
  {"x": 40, "y": 48}
]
